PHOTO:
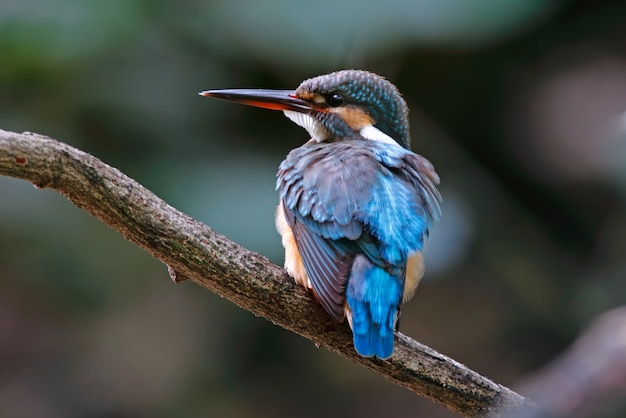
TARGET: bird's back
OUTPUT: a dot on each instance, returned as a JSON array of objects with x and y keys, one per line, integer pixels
[{"x": 358, "y": 210}]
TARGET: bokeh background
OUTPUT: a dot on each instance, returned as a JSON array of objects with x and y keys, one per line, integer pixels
[{"x": 519, "y": 104}]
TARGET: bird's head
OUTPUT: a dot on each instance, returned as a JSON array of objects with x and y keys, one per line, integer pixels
[{"x": 340, "y": 105}]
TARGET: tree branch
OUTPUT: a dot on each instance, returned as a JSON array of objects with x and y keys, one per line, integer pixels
[{"x": 193, "y": 251}]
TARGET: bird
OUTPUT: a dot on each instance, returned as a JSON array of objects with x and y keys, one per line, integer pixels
[{"x": 356, "y": 204}]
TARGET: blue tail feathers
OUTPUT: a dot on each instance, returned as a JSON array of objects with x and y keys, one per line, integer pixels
[{"x": 373, "y": 296}]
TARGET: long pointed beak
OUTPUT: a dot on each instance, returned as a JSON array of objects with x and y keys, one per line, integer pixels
[{"x": 267, "y": 99}]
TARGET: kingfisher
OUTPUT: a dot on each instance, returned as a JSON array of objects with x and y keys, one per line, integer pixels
[{"x": 356, "y": 203}]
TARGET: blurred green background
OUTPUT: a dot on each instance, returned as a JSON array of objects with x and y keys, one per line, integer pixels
[{"x": 519, "y": 104}]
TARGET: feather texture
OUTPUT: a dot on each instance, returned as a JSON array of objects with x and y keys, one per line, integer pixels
[{"x": 358, "y": 209}]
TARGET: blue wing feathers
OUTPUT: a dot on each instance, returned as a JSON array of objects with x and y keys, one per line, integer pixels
[
  {"x": 358, "y": 209},
  {"x": 327, "y": 266}
]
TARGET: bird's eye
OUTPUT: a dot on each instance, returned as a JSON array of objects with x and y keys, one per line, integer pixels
[{"x": 334, "y": 99}]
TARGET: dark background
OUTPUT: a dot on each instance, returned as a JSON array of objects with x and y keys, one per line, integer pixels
[{"x": 519, "y": 104}]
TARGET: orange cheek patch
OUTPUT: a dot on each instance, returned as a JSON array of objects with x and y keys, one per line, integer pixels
[{"x": 354, "y": 117}]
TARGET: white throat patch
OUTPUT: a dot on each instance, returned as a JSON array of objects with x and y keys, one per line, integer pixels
[
  {"x": 313, "y": 127},
  {"x": 374, "y": 134}
]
